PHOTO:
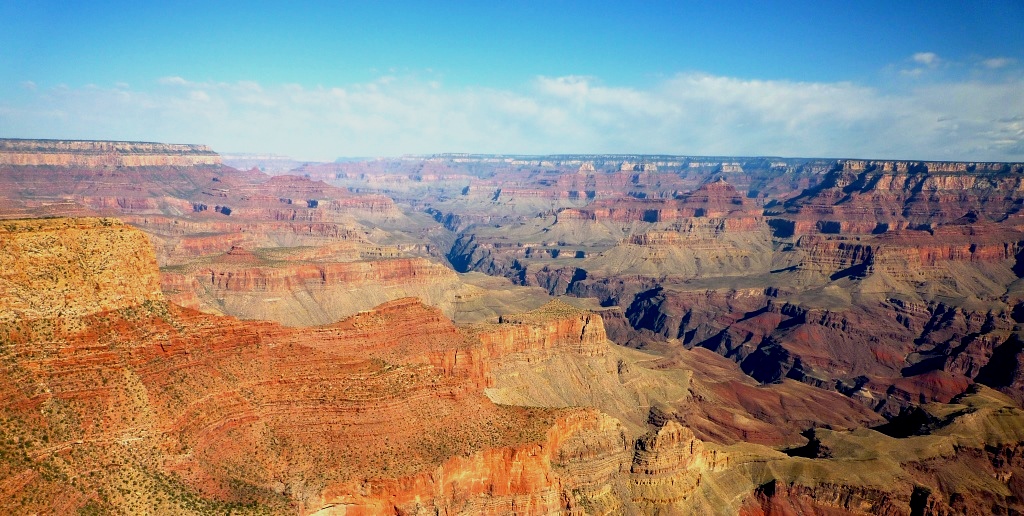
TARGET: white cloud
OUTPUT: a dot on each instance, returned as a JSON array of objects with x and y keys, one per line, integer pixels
[
  {"x": 925, "y": 62},
  {"x": 926, "y": 58},
  {"x": 173, "y": 81},
  {"x": 682, "y": 114}
]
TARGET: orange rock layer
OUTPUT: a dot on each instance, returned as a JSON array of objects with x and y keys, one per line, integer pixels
[
  {"x": 72, "y": 268},
  {"x": 378, "y": 411},
  {"x": 400, "y": 270}
]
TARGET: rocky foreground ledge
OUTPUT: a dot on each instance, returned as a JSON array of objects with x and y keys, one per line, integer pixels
[
  {"x": 87, "y": 153},
  {"x": 72, "y": 268}
]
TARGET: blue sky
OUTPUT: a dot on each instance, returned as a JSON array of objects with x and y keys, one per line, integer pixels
[{"x": 912, "y": 80}]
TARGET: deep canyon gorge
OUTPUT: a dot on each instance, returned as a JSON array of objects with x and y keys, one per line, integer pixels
[{"x": 479, "y": 334}]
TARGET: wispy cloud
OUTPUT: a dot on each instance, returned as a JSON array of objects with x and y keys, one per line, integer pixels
[
  {"x": 995, "y": 63},
  {"x": 173, "y": 81},
  {"x": 687, "y": 114},
  {"x": 921, "y": 63},
  {"x": 930, "y": 59}
]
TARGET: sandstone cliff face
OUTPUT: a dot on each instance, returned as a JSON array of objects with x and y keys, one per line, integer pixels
[
  {"x": 300, "y": 198},
  {"x": 73, "y": 268},
  {"x": 715, "y": 200},
  {"x": 690, "y": 248},
  {"x": 72, "y": 153},
  {"x": 912, "y": 255},
  {"x": 180, "y": 242},
  {"x": 668, "y": 465},
  {"x": 887, "y": 354},
  {"x": 874, "y": 197},
  {"x": 307, "y": 292},
  {"x": 405, "y": 270},
  {"x": 931, "y": 166},
  {"x": 554, "y": 328},
  {"x": 556, "y": 475}
]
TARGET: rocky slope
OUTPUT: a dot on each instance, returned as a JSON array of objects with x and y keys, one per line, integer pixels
[
  {"x": 43, "y": 274},
  {"x": 196, "y": 411},
  {"x": 147, "y": 404}
]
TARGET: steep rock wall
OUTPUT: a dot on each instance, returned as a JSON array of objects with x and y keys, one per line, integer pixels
[{"x": 861, "y": 197}]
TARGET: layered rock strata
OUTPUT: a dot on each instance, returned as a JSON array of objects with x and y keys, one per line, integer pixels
[
  {"x": 149, "y": 406},
  {"x": 85, "y": 153},
  {"x": 200, "y": 412}
]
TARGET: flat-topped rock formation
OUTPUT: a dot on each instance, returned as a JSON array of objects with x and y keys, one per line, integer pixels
[{"x": 89, "y": 153}]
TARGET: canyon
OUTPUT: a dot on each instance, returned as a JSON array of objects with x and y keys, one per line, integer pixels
[{"x": 467, "y": 334}]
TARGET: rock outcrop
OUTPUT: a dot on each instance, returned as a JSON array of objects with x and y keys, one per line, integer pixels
[
  {"x": 554, "y": 328},
  {"x": 71, "y": 268},
  {"x": 863, "y": 197}
]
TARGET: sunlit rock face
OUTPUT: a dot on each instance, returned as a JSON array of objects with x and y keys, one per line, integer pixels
[
  {"x": 72, "y": 268},
  {"x": 211, "y": 403}
]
